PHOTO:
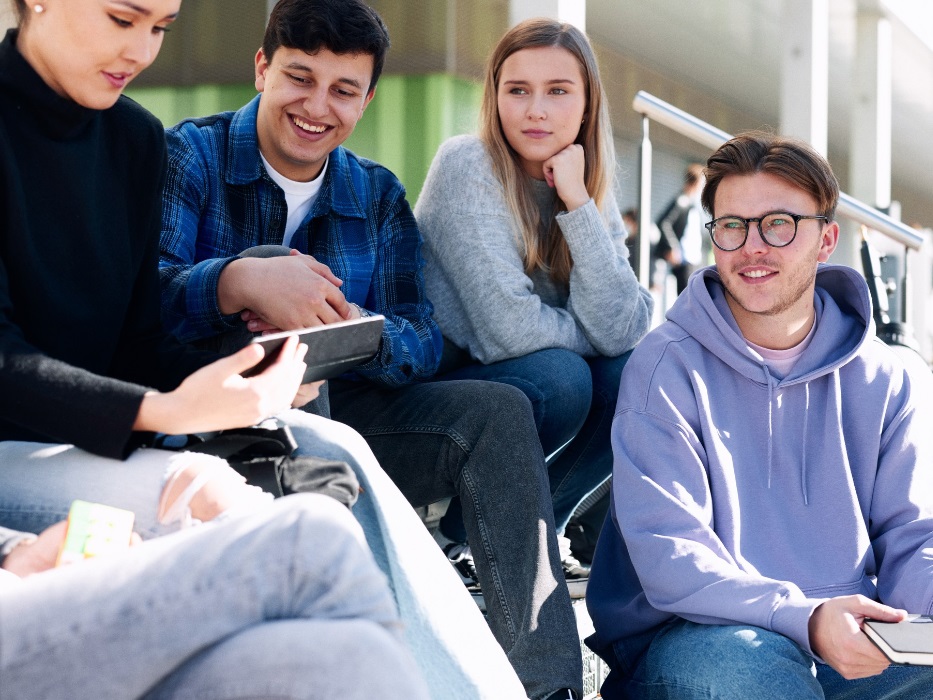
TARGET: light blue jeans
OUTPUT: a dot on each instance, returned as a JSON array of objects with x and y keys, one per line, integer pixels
[
  {"x": 573, "y": 399},
  {"x": 451, "y": 642},
  {"x": 234, "y": 609},
  {"x": 690, "y": 661}
]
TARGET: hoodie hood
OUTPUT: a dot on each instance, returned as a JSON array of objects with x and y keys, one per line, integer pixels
[{"x": 843, "y": 323}]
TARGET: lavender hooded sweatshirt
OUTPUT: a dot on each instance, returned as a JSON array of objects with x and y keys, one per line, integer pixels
[{"x": 742, "y": 498}]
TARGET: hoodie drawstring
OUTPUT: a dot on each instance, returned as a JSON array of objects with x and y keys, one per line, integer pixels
[
  {"x": 770, "y": 382},
  {"x": 803, "y": 458}
]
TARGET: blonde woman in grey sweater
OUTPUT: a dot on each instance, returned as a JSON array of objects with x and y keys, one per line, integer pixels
[{"x": 527, "y": 266}]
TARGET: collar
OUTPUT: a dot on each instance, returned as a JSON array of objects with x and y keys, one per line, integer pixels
[
  {"x": 57, "y": 116},
  {"x": 244, "y": 166}
]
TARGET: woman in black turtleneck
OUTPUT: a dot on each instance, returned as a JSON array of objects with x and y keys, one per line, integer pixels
[
  {"x": 83, "y": 358},
  {"x": 233, "y": 609}
]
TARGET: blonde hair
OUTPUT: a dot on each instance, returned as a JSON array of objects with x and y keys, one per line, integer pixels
[{"x": 544, "y": 246}]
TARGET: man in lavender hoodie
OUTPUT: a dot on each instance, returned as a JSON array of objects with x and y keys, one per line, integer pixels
[{"x": 772, "y": 480}]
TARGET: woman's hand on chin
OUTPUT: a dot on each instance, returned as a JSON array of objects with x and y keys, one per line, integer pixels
[{"x": 564, "y": 171}]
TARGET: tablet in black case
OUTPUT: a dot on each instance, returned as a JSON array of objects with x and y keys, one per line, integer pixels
[{"x": 332, "y": 349}]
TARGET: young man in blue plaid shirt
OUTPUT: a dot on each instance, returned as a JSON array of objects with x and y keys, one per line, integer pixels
[{"x": 275, "y": 173}]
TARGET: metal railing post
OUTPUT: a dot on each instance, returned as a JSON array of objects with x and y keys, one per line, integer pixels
[{"x": 644, "y": 205}]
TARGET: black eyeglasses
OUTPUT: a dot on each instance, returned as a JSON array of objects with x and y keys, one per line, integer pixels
[{"x": 777, "y": 229}]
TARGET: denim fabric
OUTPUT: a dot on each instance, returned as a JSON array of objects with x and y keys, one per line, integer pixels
[
  {"x": 233, "y": 609},
  {"x": 691, "y": 661},
  {"x": 39, "y": 481},
  {"x": 457, "y": 654},
  {"x": 451, "y": 642},
  {"x": 476, "y": 440},
  {"x": 573, "y": 399}
]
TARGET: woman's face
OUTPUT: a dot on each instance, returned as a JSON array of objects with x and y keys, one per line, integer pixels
[
  {"x": 542, "y": 101},
  {"x": 90, "y": 50}
]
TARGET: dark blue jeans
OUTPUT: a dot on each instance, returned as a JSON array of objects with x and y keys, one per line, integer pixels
[
  {"x": 573, "y": 399},
  {"x": 477, "y": 440}
]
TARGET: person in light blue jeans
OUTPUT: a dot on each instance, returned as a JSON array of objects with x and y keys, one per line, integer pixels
[
  {"x": 285, "y": 603},
  {"x": 86, "y": 369},
  {"x": 452, "y": 644}
]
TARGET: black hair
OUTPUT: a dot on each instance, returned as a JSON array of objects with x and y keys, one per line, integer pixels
[{"x": 340, "y": 26}]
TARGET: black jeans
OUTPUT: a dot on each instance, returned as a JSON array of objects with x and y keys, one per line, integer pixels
[{"x": 477, "y": 440}]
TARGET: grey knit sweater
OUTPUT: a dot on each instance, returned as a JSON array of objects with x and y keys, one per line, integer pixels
[{"x": 474, "y": 275}]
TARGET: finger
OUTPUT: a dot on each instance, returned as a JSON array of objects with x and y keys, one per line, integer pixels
[
  {"x": 878, "y": 611},
  {"x": 288, "y": 351},
  {"x": 259, "y": 325},
  {"x": 242, "y": 360},
  {"x": 325, "y": 272},
  {"x": 336, "y": 309},
  {"x": 247, "y": 315}
]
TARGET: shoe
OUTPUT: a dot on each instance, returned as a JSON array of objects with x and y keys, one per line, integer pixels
[
  {"x": 576, "y": 574},
  {"x": 462, "y": 559},
  {"x": 562, "y": 694}
]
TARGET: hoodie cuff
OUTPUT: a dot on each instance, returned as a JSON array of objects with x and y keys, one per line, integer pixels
[{"x": 792, "y": 619}]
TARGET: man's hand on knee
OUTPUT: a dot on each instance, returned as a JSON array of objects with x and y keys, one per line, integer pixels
[{"x": 836, "y": 635}]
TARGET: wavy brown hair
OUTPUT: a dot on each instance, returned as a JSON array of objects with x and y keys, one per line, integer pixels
[
  {"x": 544, "y": 245},
  {"x": 790, "y": 159}
]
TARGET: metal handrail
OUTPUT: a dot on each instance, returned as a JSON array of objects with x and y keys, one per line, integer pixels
[{"x": 706, "y": 135}]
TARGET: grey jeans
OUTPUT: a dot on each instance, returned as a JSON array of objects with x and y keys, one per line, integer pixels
[{"x": 233, "y": 609}]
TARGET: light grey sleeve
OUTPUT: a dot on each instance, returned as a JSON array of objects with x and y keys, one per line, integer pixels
[
  {"x": 483, "y": 300},
  {"x": 606, "y": 300}
]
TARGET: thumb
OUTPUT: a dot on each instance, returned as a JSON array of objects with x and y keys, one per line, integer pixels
[
  {"x": 242, "y": 360},
  {"x": 879, "y": 611}
]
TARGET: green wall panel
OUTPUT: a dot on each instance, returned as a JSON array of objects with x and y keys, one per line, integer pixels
[{"x": 410, "y": 116}]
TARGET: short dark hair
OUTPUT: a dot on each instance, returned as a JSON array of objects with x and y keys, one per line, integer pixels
[
  {"x": 790, "y": 159},
  {"x": 340, "y": 26}
]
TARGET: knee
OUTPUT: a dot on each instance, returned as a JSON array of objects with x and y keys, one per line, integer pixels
[
  {"x": 728, "y": 662},
  {"x": 562, "y": 376},
  {"x": 323, "y": 437},
  {"x": 607, "y": 373}
]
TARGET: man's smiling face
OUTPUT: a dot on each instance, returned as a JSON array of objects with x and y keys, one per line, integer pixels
[
  {"x": 770, "y": 290},
  {"x": 310, "y": 105}
]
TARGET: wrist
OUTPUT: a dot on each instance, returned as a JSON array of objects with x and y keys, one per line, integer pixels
[
  {"x": 233, "y": 284},
  {"x": 576, "y": 201},
  {"x": 156, "y": 413}
]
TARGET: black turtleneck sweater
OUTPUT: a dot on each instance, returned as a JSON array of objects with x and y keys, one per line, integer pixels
[{"x": 80, "y": 201}]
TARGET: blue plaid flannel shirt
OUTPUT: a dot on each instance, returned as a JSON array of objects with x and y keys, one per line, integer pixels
[{"x": 219, "y": 200}]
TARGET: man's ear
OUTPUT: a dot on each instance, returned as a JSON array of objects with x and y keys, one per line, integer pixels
[
  {"x": 369, "y": 98},
  {"x": 262, "y": 65},
  {"x": 829, "y": 239}
]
